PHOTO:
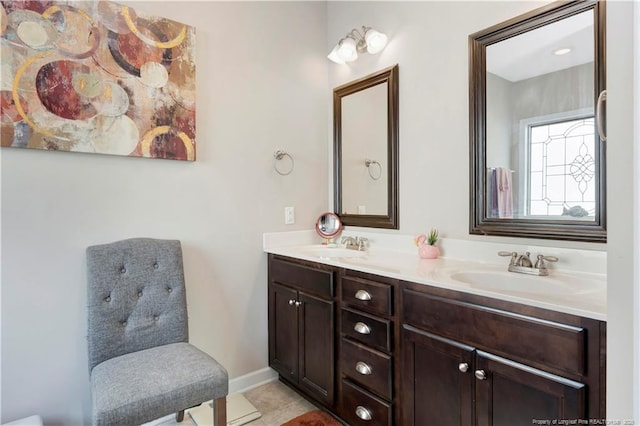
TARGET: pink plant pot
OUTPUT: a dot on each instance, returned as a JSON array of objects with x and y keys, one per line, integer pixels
[{"x": 426, "y": 251}]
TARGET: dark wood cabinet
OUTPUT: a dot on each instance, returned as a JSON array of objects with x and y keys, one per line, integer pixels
[
  {"x": 367, "y": 349},
  {"x": 302, "y": 327},
  {"x": 496, "y": 363},
  {"x": 436, "y": 380},
  {"x": 376, "y": 351},
  {"x": 477, "y": 388},
  {"x": 513, "y": 394}
]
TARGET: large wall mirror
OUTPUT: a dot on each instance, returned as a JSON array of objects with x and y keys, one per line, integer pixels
[
  {"x": 536, "y": 124},
  {"x": 365, "y": 134}
]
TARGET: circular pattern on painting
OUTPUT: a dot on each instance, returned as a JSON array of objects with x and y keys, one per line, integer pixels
[
  {"x": 153, "y": 74},
  {"x": 105, "y": 127},
  {"x": 113, "y": 101},
  {"x": 78, "y": 36},
  {"x": 54, "y": 85},
  {"x": 32, "y": 34},
  {"x": 30, "y": 29}
]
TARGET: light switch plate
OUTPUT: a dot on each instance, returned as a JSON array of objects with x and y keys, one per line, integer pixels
[{"x": 289, "y": 215}]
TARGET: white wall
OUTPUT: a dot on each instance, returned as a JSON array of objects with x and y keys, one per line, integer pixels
[
  {"x": 429, "y": 41},
  {"x": 262, "y": 86}
]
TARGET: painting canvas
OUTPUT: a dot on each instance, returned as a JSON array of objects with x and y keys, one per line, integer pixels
[{"x": 97, "y": 77}]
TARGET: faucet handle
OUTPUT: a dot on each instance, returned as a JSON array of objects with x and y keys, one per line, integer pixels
[
  {"x": 541, "y": 258},
  {"x": 363, "y": 243},
  {"x": 511, "y": 254}
]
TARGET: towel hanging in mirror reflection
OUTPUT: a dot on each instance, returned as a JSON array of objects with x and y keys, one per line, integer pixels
[
  {"x": 369, "y": 163},
  {"x": 599, "y": 116},
  {"x": 279, "y": 155}
]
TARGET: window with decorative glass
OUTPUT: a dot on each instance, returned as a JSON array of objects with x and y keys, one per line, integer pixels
[{"x": 559, "y": 159}]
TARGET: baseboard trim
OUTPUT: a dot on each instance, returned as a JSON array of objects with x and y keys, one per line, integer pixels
[{"x": 252, "y": 380}]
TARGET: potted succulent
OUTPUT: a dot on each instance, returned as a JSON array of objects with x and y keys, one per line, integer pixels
[{"x": 426, "y": 244}]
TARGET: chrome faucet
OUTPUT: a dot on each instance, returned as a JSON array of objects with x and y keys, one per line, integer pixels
[
  {"x": 355, "y": 243},
  {"x": 522, "y": 263}
]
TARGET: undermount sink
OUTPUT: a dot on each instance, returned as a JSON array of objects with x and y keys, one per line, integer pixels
[
  {"x": 510, "y": 282},
  {"x": 329, "y": 252}
]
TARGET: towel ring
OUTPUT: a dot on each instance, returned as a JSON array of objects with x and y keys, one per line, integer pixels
[
  {"x": 279, "y": 155},
  {"x": 368, "y": 163}
]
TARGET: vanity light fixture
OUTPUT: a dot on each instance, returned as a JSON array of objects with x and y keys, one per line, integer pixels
[{"x": 355, "y": 42}]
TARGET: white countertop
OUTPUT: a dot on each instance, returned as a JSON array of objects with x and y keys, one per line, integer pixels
[{"x": 582, "y": 294}]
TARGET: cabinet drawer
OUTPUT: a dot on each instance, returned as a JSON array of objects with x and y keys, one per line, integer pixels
[
  {"x": 369, "y": 368},
  {"x": 368, "y": 295},
  {"x": 547, "y": 343},
  {"x": 360, "y": 407},
  {"x": 306, "y": 278},
  {"x": 370, "y": 330}
]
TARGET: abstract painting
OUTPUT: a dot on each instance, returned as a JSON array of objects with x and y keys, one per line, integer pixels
[{"x": 96, "y": 76}]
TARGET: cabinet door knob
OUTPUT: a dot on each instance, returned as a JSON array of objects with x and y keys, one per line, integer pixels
[
  {"x": 363, "y": 368},
  {"x": 292, "y": 302},
  {"x": 463, "y": 367},
  {"x": 362, "y": 328},
  {"x": 481, "y": 375},
  {"x": 298, "y": 304},
  {"x": 363, "y": 413},
  {"x": 363, "y": 295}
]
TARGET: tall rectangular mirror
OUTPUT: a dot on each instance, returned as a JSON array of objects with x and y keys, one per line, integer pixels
[
  {"x": 537, "y": 159},
  {"x": 365, "y": 120}
]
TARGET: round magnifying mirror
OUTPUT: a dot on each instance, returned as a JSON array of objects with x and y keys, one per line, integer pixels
[{"x": 328, "y": 225}]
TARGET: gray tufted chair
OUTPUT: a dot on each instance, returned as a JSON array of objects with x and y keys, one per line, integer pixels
[{"x": 140, "y": 363}]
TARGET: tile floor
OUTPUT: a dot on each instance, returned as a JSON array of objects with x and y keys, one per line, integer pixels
[{"x": 276, "y": 402}]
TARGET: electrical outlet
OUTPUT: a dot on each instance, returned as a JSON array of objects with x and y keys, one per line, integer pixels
[{"x": 289, "y": 215}]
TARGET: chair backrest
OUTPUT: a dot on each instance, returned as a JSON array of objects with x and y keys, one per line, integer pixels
[{"x": 136, "y": 297}]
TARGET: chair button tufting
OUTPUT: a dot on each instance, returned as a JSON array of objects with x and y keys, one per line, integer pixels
[
  {"x": 156, "y": 266},
  {"x": 156, "y": 317},
  {"x": 124, "y": 323},
  {"x": 107, "y": 299},
  {"x": 140, "y": 294},
  {"x": 123, "y": 270},
  {"x": 169, "y": 289}
]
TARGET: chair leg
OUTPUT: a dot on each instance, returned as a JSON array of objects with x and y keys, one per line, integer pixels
[
  {"x": 220, "y": 412},
  {"x": 180, "y": 416}
]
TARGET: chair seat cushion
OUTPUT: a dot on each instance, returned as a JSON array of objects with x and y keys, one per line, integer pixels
[{"x": 142, "y": 386}]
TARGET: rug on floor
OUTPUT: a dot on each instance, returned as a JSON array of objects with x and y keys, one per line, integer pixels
[{"x": 313, "y": 418}]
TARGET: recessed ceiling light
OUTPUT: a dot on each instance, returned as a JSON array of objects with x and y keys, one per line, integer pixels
[{"x": 562, "y": 51}]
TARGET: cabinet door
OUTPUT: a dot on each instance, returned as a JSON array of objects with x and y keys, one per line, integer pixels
[
  {"x": 437, "y": 380},
  {"x": 512, "y": 394},
  {"x": 316, "y": 336},
  {"x": 283, "y": 331}
]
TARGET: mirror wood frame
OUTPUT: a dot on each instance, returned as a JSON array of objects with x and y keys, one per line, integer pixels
[
  {"x": 390, "y": 220},
  {"x": 479, "y": 223}
]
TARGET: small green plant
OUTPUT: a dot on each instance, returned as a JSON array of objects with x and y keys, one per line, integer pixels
[{"x": 432, "y": 237}]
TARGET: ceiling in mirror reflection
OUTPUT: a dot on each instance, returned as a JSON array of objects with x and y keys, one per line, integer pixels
[{"x": 533, "y": 53}]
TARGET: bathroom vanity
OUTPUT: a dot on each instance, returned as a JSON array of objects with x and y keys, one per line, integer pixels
[{"x": 377, "y": 345}]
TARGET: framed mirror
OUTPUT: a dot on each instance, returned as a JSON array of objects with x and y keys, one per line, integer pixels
[
  {"x": 365, "y": 152},
  {"x": 537, "y": 157}
]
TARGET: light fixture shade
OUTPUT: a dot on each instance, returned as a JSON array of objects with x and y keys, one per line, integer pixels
[
  {"x": 334, "y": 56},
  {"x": 347, "y": 50},
  {"x": 376, "y": 41}
]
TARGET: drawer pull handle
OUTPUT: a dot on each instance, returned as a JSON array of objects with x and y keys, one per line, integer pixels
[
  {"x": 363, "y": 295},
  {"x": 292, "y": 302},
  {"x": 363, "y": 368},
  {"x": 481, "y": 375},
  {"x": 463, "y": 367},
  {"x": 362, "y": 328},
  {"x": 363, "y": 413}
]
